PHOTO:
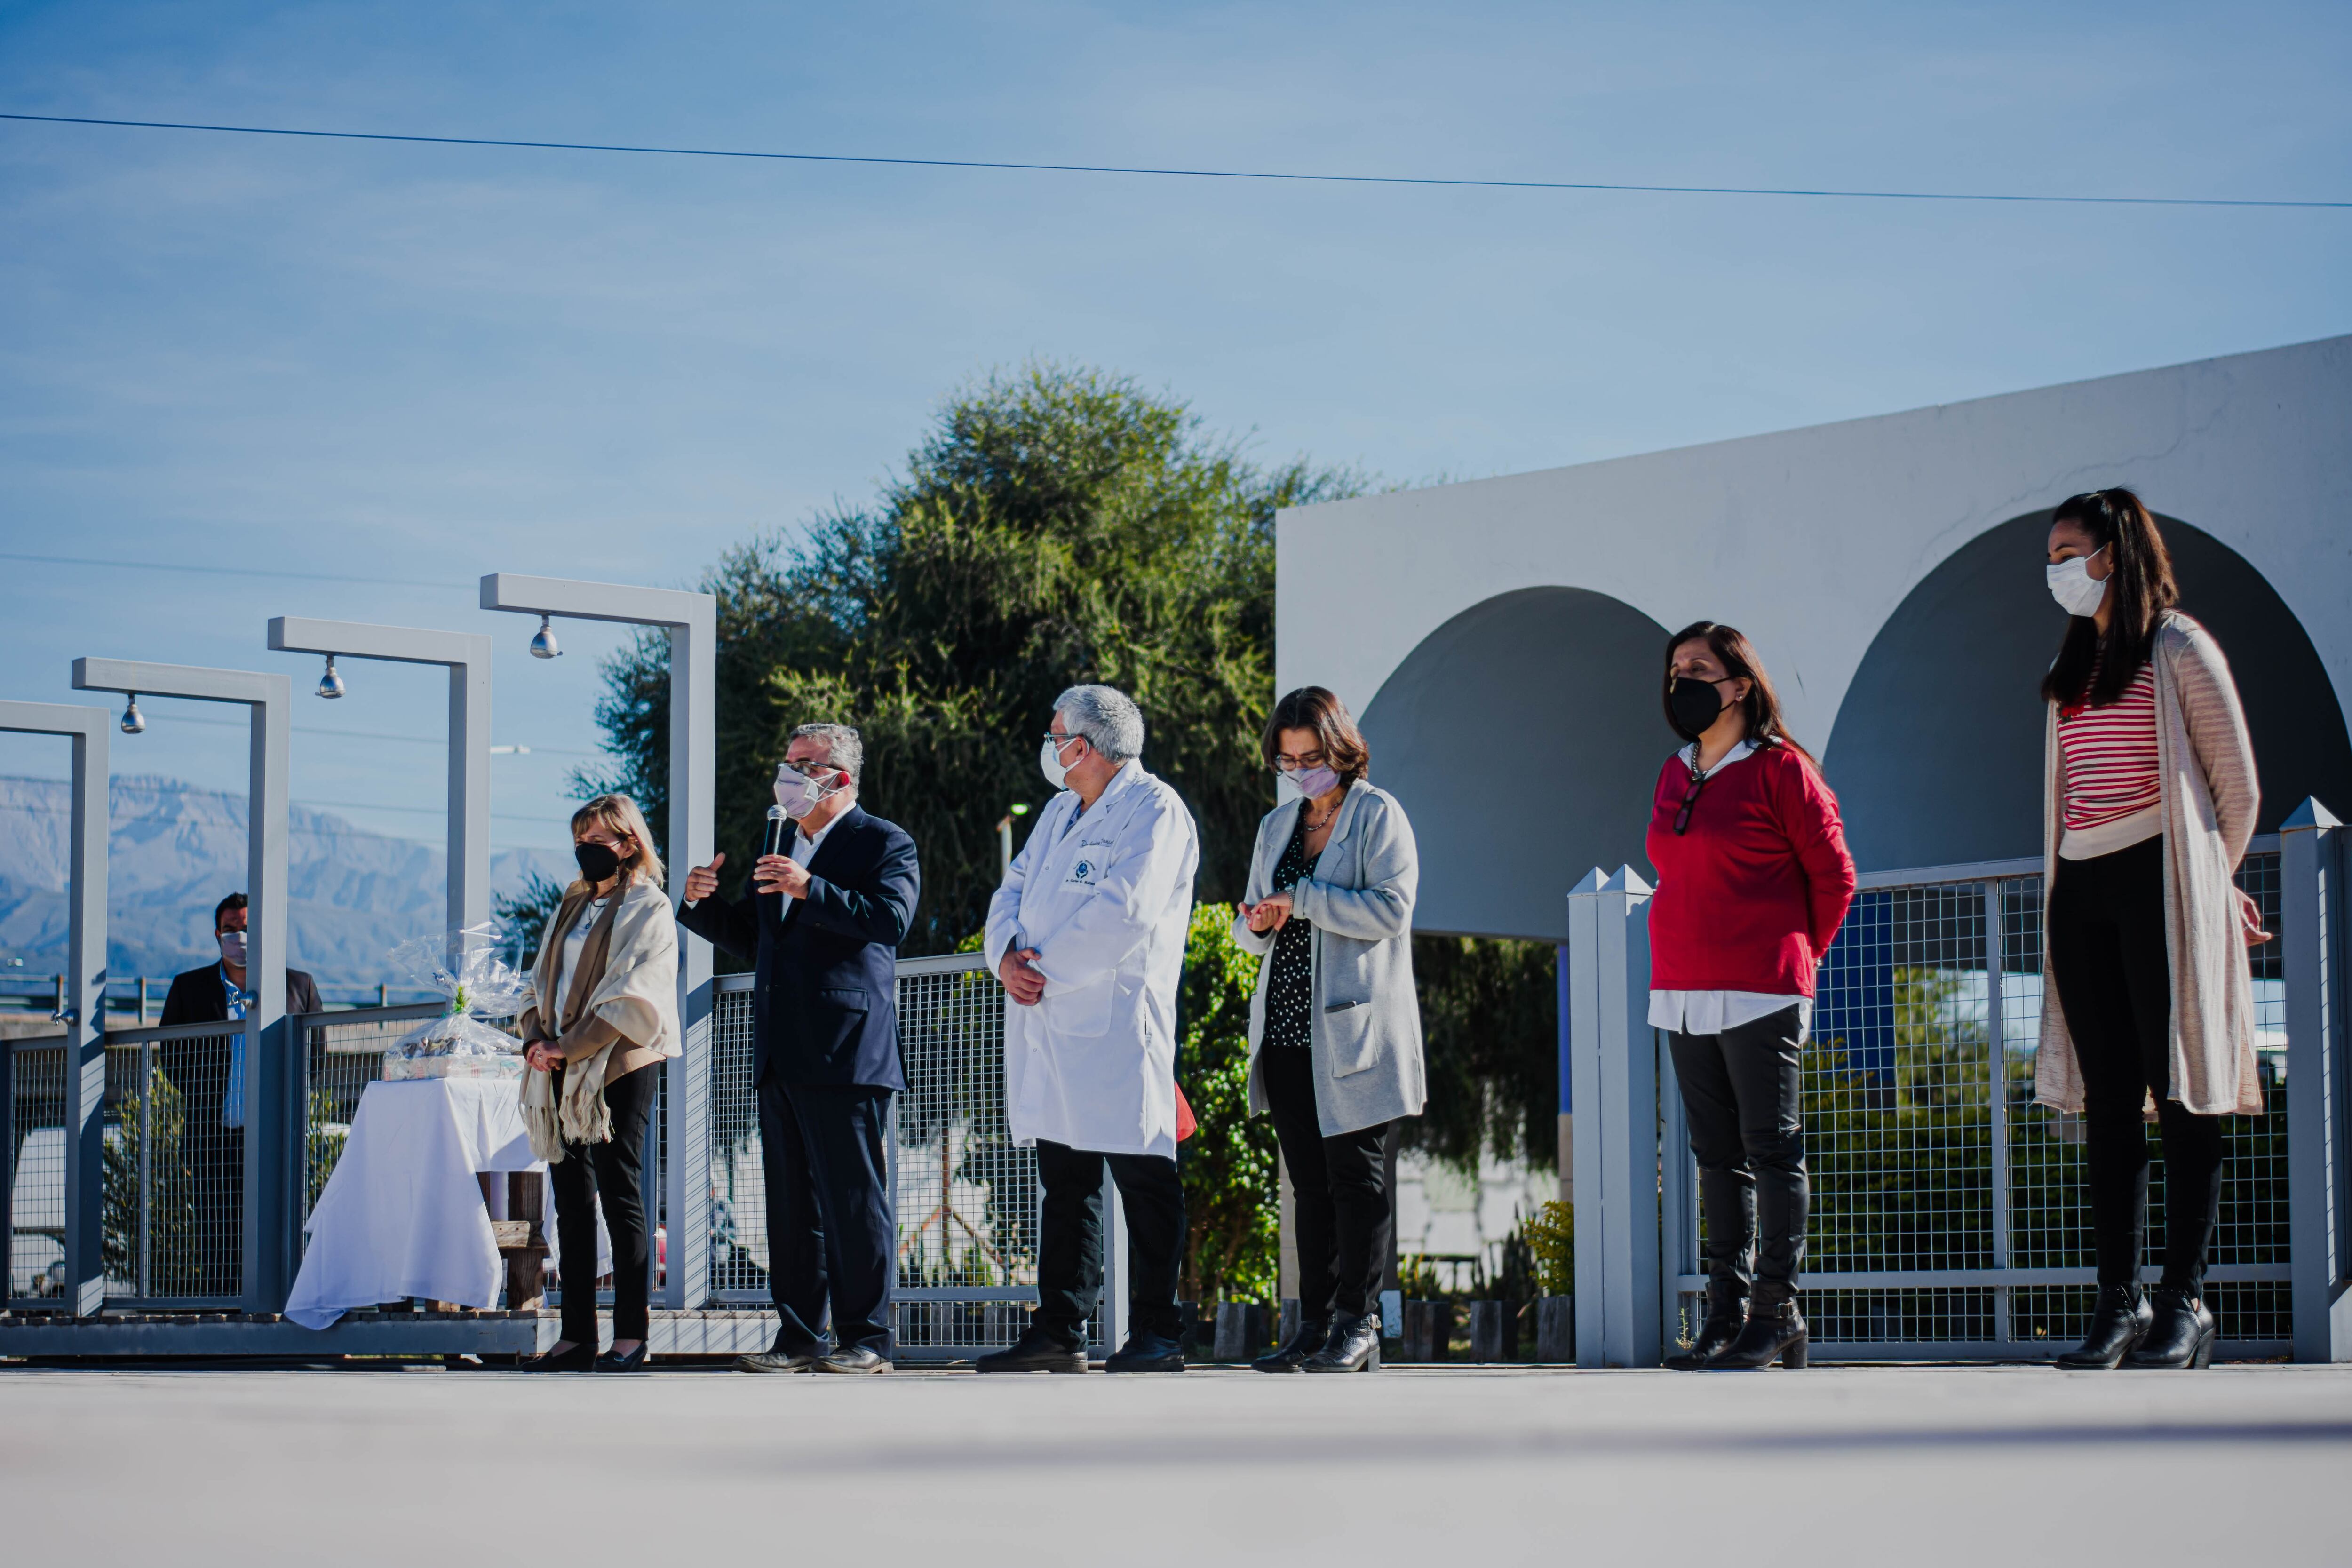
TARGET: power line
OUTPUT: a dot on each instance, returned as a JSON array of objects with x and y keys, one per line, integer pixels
[
  {"x": 1176, "y": 172},
  {"x": 342, "y": 831},
  {"x": 372, "y": 735},
  {"x": 222, "y": 571}
]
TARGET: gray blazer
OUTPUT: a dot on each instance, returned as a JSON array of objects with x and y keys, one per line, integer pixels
[{"x": 1366, "y": 1034}]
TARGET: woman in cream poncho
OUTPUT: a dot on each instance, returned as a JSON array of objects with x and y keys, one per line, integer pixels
[{"x": 606, "y": 982}]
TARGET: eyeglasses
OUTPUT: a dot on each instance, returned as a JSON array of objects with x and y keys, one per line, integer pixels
[
  {"x": 1287, "y": 764},
  {"x": 1690, "y": 799},
  {"x": 1058, "y": 741}
]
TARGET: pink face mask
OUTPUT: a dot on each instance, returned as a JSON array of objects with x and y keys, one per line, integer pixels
[{"x": 1315, "y": 782}]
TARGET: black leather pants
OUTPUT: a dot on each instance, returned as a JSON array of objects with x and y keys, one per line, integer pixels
[{"x": 1743, "y": 1096}]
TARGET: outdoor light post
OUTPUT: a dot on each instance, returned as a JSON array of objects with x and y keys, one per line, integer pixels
[
  {"x": 83, "y": 1010},
  {"x": 466, "y": 655},
  {"x": 692, "y": 622},
  {"x": 272, "y": 1211}
]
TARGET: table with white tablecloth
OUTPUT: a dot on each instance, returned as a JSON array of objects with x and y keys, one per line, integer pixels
[{"x": 403, "y": 1214}]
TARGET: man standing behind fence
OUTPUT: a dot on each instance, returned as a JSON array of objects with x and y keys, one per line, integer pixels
[
  {"x": 825, "y": 922},
  {"x": 209, "y": 1074},
  {"x": 1088, "y": 934}
]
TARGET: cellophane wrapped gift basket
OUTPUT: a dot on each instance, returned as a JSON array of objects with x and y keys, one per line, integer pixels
[{"x": 464, "y": 966}]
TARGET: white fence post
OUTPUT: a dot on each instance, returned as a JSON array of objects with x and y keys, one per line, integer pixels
[
  {"x": 2311, "y": 906},
  {"x": 1614, "y": 1073}
]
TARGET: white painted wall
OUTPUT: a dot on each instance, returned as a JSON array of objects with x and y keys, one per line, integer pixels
[{"x": 1807, "y": 539}]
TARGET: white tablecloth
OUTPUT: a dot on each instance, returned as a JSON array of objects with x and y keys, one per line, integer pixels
[{"x": 402, "y": 1213}]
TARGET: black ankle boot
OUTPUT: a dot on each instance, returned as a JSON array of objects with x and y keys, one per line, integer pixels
[
  {"x": 2119, "y": 1324},
  {"x": 1727, "y": 1314},
  {"x": 1354, "y": 1346},
  {"x": 2182, "y": 1334},
  {"x": 1310, "y": 1337},
  {"x": 1776, "y": 1331}
]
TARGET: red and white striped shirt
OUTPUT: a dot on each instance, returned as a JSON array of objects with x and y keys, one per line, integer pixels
[{"x": 2110, "y": 755}]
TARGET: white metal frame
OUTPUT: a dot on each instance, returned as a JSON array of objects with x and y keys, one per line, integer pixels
[
  {"x": 268, "y": 1270},
  {"x": 466, "y": 655},
  {"x": 692, "y": 622},
  {"x": 84, "y": 1011}
]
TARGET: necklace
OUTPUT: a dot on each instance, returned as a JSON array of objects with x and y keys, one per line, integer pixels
[{"x": 1314, "y": 826}]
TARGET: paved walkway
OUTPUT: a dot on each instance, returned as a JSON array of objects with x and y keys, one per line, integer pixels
[{"x": 1447, "y": 1468}]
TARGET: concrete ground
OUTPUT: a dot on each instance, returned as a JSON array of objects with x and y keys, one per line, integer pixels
[{"x": 1437, "y": 1466}]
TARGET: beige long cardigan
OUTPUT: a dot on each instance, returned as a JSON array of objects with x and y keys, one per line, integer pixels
[{"x": 2206, "y": 763}]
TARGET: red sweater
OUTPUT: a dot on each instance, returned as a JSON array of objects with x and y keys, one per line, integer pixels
[{"x": 1751, "y": 895}]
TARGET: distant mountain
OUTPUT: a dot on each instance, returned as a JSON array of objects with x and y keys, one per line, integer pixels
[{"x": 176, "y": 850}]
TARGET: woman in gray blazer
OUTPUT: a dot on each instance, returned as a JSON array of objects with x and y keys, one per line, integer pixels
[{"x": 1335, "y": 1026}]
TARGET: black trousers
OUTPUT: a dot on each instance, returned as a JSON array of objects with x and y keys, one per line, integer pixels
[
  {"x": 2115, "y": 986},
  {"x": 832, "y": 1238},
  {"x": 1743, "y": 1095},
  {"x": 1069, "y": 1239},
  {"x": 610, "y": 1175},
  {"x": 1338, "y": 1189}
]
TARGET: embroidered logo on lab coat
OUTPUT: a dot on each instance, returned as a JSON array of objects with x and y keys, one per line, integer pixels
[{"x": 1083, "y": 870}]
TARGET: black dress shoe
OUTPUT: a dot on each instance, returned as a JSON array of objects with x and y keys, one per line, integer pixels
[
  {"x": 853, "y": 1358},
  {"x": 1776, "y": 1331},
  {"x": 1354, "y": 1345},
  {"x": 1034, "y": 1351},
  {"x": 778, "y": 1361},
  {"x": 576, "y": 1358},
  {"x": 1147, "y": 1351},
  {"x": 2119, "y": 1325},
  {"x": 613, "y": 1361},
  {"x": 1311, "y": 1335},
  {"x": 2182, "y": 1335},
  {"x": 1716, "y": 1335}
]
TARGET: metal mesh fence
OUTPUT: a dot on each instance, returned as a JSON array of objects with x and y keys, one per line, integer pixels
[
  {"x": 966, "y": 1198},
  {"x": 173, "y": 1182},
  {"x": 1911, "y": 1175},
  {"x": 37, "y": 1174}
]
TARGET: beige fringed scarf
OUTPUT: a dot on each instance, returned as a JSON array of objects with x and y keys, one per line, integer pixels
[{"x": 622, "y": 999}]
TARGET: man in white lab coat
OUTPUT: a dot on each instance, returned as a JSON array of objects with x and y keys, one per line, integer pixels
[{"x": 1088, "y": 934}]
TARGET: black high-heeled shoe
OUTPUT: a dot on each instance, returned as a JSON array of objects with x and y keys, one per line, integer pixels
[
  {"x": 2182, "y": 1335},
  {"x": 2119, "y": 1325},
  {"x": 613, "y": 1361},
  {"x": 1776, "y": 1331},
  {"x": 1354, "y": 1346},
  {"x": 1313, "y": 1333},
  {"x": 573, "y": 1358}
]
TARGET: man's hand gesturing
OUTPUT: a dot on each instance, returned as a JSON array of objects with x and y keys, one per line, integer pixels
[{"x": 702, "y": 882}]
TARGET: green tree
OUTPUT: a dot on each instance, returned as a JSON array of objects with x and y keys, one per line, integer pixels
[
  {"x": 1232, "y": 1209},
  {"x": 1058, "y": 526},
  {"x": 1490, "y": 1016}
]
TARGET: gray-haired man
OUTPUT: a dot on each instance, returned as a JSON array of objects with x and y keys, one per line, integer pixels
[
  {"x": 823, "y": 923},
  {"x": 1088, "y": 934}
]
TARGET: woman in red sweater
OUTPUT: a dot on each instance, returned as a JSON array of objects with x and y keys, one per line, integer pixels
[{"x": 1753, "y": 881}]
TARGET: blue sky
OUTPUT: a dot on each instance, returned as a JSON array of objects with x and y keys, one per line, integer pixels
[{"x": 406, "y": 365}]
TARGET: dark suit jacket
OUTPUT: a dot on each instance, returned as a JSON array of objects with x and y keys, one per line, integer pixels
[
  {"x": 824, "y": 1003},
  {"x": 196, "y": 996}
]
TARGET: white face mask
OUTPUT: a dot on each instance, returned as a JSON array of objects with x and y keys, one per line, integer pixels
[
  {"x": 798, "y": 793},
  {"x": 232, "y": 946},
  {"x": 1049, "y": 762},
  {"x": 2072, "y": 584}
]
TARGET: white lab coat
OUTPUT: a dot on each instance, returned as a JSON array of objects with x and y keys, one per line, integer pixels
[{"x": 1106, "y": 900}]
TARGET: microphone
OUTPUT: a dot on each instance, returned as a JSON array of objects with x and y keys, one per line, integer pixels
[{"x": 778, "y": 825}]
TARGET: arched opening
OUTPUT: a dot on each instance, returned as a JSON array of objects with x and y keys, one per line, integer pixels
[
  {"x": 1936, "y": 754},
  {"x": 1524, "y": 738}
]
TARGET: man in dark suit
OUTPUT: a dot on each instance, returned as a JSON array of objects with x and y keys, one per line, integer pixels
[
  {"x": 825, "y": 922},
  {"x": 209, "y": 1073}
]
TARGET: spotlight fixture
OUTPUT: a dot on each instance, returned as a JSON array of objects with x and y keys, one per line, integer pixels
[
  {"x": 331, "y": 685},
  {"x": 542, "y": 642},
  {"x": 134, "y": 723}
]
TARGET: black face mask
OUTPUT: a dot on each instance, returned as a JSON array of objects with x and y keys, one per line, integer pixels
[
  {"x": 1695, "y": 704},
  {"x": 597, "y": 861}
]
